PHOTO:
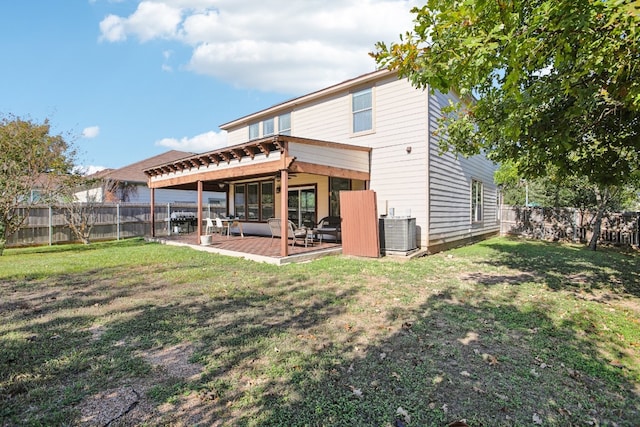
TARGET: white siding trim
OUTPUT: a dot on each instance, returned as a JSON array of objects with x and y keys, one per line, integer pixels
[{"x": 330, "y": 156}]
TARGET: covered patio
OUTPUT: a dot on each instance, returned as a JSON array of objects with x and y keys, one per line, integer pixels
[
  {"x": 255, "y": 248},
  {"x": 255, "y": 173}
]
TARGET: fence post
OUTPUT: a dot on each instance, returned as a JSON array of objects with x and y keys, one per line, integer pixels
[
  {"x": 50, "y": 225},
  {"x": 638, "y": 229},
  {"x": 168, "y": 219},
  {"x": 118, "y": 221}
]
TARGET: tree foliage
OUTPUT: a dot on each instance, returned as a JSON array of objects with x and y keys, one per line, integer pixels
[
  {"x": 555, "y": 84},
  {"x": 549, "y": 191},
  {"x": 30, "y": 158}
]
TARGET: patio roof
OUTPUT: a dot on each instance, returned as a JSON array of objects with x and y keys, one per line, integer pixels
[
  {"x": 276, "y": 156},
  {"x": 262, "y": 157}
]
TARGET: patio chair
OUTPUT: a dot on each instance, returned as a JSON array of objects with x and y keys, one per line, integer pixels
[
  {"x": 209, "y": 228},
  {"x": 219, "y": 226},
  {"x": 294, "y": 232},
  {"x": 329, "y": 226}
]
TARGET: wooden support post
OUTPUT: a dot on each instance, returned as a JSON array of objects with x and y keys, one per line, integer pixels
[
  {"x": 153, "y": 212},
  {"x": 284, "y": 213},
  {"x": 199, "y": 226}
]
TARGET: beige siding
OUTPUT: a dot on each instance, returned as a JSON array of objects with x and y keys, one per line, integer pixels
[
  {"x": 330, "y": 156},
  {"x": 237, "y": 136},
  {"x": 450, "y": 195},
  {"x": 397, "y": 177}
]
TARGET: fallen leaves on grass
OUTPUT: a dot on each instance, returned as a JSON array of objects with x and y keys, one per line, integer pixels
[
  {"x": 401, "y": 412},
  {"x": 490, "y": 359},
  {"x": 356, "y": 391},
  {"x": 469, "y": 338}
]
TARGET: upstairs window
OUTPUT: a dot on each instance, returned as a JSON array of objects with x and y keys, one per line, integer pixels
[
  {"x": 267, "y": 127},
  {"x": 254, "y": 131},
  {"x": 476, "y": 201},
  {"x": 362, "y": 110},
  {"x": 284, "y": 124}
]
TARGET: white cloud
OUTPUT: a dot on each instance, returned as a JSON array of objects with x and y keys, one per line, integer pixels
[
  {"x": 272, "y": 45},
  {"x": 151, "y": 20},
  {"x": 91, "y": 132},
  {"x": 200, "y": 143}
]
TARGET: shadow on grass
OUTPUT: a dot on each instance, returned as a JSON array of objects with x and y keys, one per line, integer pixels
[
  {"x": 439, "y": 366},
  {"x": 50, "y": 361},
  {"x": 571, "y": 267},
  {"x": 72, "y": 247},
  {"x": 277, "y": 353}
]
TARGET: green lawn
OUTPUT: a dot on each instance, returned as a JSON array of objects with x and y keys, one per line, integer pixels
[{"x": 504, "y": 332}]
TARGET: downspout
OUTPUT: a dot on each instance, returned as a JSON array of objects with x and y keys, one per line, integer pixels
[{"x": 428, "y": 161}]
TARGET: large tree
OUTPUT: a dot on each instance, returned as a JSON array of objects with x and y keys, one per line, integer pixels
[
  {"x": 553, "y": 84},
  {"x": 31, "y": 158}
]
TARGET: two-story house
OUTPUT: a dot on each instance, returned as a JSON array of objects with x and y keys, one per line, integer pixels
[{"x": 372, "y": 132}]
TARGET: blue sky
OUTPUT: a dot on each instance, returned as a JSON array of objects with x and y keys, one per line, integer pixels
[{"x": 124, "y": 80}]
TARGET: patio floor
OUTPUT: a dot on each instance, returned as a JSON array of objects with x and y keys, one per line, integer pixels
[{"x": 255, "y": 248}]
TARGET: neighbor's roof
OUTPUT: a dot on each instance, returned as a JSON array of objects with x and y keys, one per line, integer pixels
[{"x": 135, "y": 171}]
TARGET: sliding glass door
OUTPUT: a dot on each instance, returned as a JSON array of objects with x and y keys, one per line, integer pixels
[{"x": 302, "y": 206}]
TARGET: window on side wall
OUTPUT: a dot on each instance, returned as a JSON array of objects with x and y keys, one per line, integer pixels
[
  {"x": 284, "y": 124},
  {"x": 476, "y": 201},
  {"x": 267, "y": 127},
  {"x": 362, "y": 110},
  {"x": 254, "y": 131}
]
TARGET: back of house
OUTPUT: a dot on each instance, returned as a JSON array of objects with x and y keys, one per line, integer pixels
[{"x": 453, "y": 199}]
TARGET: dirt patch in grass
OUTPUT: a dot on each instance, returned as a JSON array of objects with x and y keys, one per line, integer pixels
[
  {"x": 130, "y": 404},
  {"x": 489, "y": 278}
]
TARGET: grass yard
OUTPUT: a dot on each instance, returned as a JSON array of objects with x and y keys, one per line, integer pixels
[{"x": 501, "y": 333}]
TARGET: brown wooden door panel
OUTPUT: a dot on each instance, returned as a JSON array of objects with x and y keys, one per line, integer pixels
[{"x": 359, "y": 223}]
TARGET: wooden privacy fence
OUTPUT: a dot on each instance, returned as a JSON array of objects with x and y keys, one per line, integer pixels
[
  {"x": 618, "y": 228},
  {"x": 47, "y": 225}
]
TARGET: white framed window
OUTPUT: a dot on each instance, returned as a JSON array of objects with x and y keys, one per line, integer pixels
[
  {"x": 284, "y": 124},
  {"x": 267, "y": 127},
  {"x": 254, "y": 131},
  {"x": 362, "y": 110},
  {"x": 476, "y": 200}
]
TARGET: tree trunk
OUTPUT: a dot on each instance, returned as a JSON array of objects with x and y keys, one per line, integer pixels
[
  {"x": 597, "y": 226},
  {"x": 3, "y": 237},
  {"x": 602, "y": 198}
]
